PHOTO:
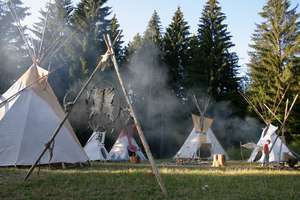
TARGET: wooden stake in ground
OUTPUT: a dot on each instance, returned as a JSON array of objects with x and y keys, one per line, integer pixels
[{"x": 136, "y": 121}]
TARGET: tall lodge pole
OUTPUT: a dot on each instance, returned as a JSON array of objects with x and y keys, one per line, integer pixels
[{"x": 136, "y": 121}]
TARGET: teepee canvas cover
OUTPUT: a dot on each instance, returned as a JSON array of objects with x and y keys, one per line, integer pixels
[
  {"x": 119, "y": 151},
  {"x": 200, "y": 135},
  {"x": 278, "y": 151},
  {"x": 95, "y": 148},
  {"x": 29, "y": 119}
]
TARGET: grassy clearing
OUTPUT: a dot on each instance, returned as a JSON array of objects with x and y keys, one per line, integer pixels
[{"x": 122, "y": 181}]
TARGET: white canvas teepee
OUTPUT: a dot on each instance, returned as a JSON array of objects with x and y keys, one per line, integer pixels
[
  {"x": 201, "y": 135},
  {"x": 95, "y": 148},
  {"x": 28, "y": 120},
  {"x": 119, "y": 151},
  {"x": 278, "y": 151}
]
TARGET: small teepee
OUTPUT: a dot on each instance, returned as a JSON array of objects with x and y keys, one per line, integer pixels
[
  {"x": 95, "y": 148},
  {"x": 125, "y": 145},
  {"x": 201, "y": 143},
  {"x": 279, "y": 151},
  {"x": 27, "y": 121}
]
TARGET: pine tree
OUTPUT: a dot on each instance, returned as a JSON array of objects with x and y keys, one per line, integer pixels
[
  {"x": 114, "y": 30},
  {"x": 132, "y": 47},
  {"x": 152, "y": 36},
  {"x": 196, "y": 76},
  {"x": 274, "y": 59},
  {"x": 176, "y": 43},
  {"x": 13, "y": 55},
  {"x": 90, "y": 21},
  {"x": 218, "y": 63},
  {"x": 153, "y": 31}
]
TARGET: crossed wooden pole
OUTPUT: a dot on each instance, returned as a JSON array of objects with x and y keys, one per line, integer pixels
[
  {"x": 109, "y": 54},
  {"x": 32, "y": 84},
  {"x": 273, "y": 111},
  {"x": 287, "y": 113}
]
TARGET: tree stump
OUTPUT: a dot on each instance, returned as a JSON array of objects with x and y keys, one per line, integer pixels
[
  {"x": 218, "y": 160},
  {"x": 215, "y": 161},
  {"x": 221, "y": 159}
]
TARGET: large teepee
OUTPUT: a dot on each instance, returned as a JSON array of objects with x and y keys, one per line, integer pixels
[
  {"x": 27, "y": 121},
  {"x": 95, "y": 148},
  {"x": 124, "y": 144},
  {"x": 279, "y": 151},
  {"x": 201, "y": 143}
]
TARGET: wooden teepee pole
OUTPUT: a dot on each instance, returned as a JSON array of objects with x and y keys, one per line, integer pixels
[
  {"x": 48, "y": 144},
  {"x": 136, "y": 121},
  {"x": 9, "y": 99},
  {"x": 286, "y": 115}
]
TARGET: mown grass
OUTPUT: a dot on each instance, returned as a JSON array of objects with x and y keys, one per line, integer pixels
[{"x": 122, "y": 181}]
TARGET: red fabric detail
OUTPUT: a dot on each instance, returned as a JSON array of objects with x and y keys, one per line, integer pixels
[{"x": 266, "y": 148}]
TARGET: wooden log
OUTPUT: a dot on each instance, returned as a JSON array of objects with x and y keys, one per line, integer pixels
[
  {"x": 215, "y": 161},
  {"x": 218, "y": 160},
  {"x": 221, "y": 160}
]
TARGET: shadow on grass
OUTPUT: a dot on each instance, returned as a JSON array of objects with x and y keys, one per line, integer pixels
[{"x": 124, "y": 182}]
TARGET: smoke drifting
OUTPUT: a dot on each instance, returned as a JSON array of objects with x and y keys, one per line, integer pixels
[
  {"x": 157, "y": 106},
  {"x": 232, "y": 129},
  {"x": 165, "y": 120},
  {"x": 147, "y": 79}
]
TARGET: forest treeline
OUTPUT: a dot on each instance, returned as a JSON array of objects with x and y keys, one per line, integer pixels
[{"x": 164, "y": 67}]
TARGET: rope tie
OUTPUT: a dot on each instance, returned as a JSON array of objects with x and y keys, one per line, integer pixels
[{"x": 50, "y": 147}]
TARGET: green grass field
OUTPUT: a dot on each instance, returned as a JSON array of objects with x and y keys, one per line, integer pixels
[{"x": 125, "y": 181}]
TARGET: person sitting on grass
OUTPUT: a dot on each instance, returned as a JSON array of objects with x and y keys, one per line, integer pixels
[{"x": 266, "y": 152}]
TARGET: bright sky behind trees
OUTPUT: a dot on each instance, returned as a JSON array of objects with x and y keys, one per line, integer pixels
[{"x": 133, "y": 16}]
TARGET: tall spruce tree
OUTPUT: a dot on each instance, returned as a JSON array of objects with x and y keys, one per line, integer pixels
[
  {"x": 152, "y": 36},
  {"x": 218, "y": 65},
  {"x": 175, "y": 46},
  {"x": 196, "y": 76},
  {"x": 151, "y": 44},
  {"x": 153, "y": 32},
  {"x": 90, "y": 20},
  {"x": 13, "y": 55},
  {"x": 274, "y": 59}
]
